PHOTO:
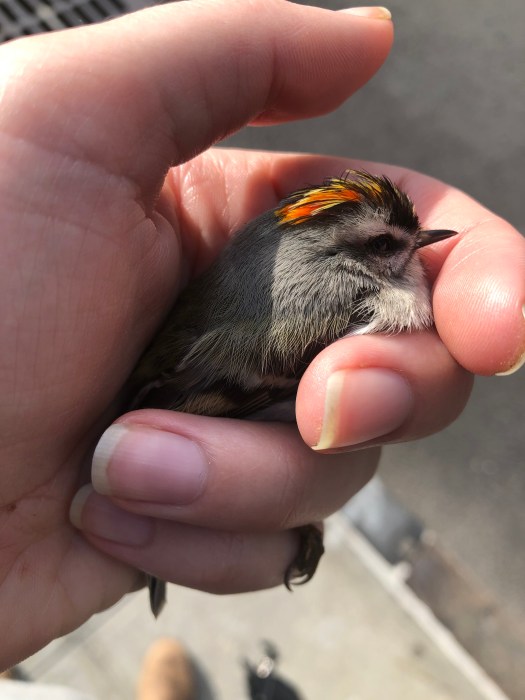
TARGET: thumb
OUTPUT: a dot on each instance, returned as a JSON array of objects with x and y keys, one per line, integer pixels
[{"x": 152, "y": 89}]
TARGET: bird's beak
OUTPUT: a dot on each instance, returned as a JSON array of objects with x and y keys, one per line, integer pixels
[{"x": 429, "y": 237}]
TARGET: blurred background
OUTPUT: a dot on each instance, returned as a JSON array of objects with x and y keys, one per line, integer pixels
[{"x": 450, "y": 102}]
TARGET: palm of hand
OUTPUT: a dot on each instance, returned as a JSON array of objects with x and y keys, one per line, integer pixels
[{"x": 84, "y": 286}]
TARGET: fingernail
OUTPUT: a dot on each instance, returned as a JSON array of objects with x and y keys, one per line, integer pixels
[
  {"x": 515, "y": 367},
  {"x": 363, "y": 404},
  {"x": 96, "y": 515},
  {"x": 140, "y": 463},
  {"x": 519, "y": 362},
  {"x": 369, "y": 12}
]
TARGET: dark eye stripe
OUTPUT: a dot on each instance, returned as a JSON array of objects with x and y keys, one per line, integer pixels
[{"x": 383, "y": 244}]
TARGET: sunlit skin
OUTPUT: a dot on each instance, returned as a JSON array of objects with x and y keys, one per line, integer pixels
[{"x": 99, "y": 235}]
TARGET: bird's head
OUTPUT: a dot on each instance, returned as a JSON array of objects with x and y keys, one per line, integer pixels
[{"x": 360, "y": 222}]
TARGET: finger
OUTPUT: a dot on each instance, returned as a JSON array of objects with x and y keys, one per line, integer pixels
[
  {"x": 478, "y": 277},
  {"x": 222, "y": 473},
  {"x": 378, "y": 389},
  {"x": 159, "y": 90},
  {"x": 210, "y": 560},
  {"x": 479, "y": 299}
]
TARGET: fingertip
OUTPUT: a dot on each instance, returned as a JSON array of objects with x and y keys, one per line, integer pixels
[
  {"x": 77, "y": 505},
  {"x": 361, "y": 405},
  {"x": 101, "y": 457},
  {"x": 518, "y": 364},
  {"x": 364, "y": 45},
  {"x": 101, "y": 519},
  {"x": 153, "y": 463},
  {"x": 388, "y": 389},
  {"x": 374, "y": 12},
  {"x": 479, "y": 300}
]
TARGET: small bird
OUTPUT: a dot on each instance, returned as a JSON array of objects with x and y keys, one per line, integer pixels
[{"x": 329, "y": 261}]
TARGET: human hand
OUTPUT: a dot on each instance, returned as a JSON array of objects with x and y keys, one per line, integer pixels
[{"x": 97, "y": 243}]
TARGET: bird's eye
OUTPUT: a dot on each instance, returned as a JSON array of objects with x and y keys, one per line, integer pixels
[{"x": 383, "y": 244}]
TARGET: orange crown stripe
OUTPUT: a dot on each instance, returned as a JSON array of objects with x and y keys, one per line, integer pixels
[{"x": 316, "y": 200}]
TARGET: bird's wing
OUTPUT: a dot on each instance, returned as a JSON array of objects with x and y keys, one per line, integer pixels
[{"x": 184, "y": 392}]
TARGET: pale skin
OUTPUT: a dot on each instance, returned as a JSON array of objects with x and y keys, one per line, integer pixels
[{"x": 96, "y": 243}]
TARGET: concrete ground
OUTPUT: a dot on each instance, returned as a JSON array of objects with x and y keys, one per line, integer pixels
[{"x": 354, "y": 633}]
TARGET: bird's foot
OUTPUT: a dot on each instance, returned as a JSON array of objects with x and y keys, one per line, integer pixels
[{"x": 311, "y": 549}]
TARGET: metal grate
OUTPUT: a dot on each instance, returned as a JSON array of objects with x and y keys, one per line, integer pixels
[{"x": 24, "y": 17}]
